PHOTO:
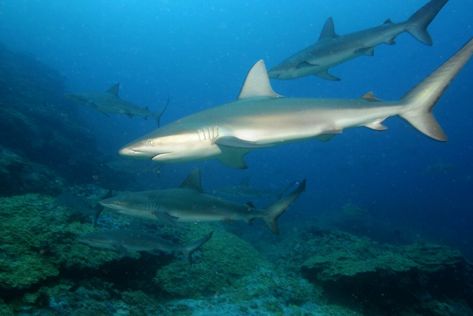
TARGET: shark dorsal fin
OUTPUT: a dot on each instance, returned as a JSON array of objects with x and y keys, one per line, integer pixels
[
  {"x": 388, "y": 21},
  {"x": 115, "y": 89},
  {"x": 328, "y": 31},
  {"x": 193, "y": 181},
  {"x": 369, "y": 96},
  {"x": 257, "y": 83}
]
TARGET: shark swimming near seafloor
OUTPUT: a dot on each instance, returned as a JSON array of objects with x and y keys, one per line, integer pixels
[
  {"x": 130, "y": 242},
  {"x": 189, "y": 203},
  {"x": 109, "y": 102},
  {"x": 332, "y": 49},
  {"x": 262, "y": 118}
]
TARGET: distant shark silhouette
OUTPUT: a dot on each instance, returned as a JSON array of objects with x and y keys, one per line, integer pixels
[
  {"x": 109, "y": 102},
  {"x": 261, "y": 118},
  {"x": 332, "y": 49}
]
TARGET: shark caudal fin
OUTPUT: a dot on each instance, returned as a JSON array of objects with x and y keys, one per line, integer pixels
[
  {"x": 419, "y": 21},
  {"x": 272, "y": 213},
  {"x": 420, "y": 101},
  {"x": 196, "y": 245}
]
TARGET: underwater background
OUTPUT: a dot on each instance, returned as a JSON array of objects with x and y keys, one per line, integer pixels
[{"x": 370, "y": 195}]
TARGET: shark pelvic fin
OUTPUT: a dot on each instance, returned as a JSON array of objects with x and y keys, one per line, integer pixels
[
  {"x": 388, "y": 21},
  {"x": 328, "y": 31},
  {"x": 114, "y": 90},
  {"x": 377, "y": 125},
  {"x": 327, "y": 76},
  {"x": 193, "y": 181},
  {"x": 369, "y": 96},
  {"x": 257, "y": 83}
]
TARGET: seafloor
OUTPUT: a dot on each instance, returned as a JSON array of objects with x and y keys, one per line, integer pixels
[{"x": 311, "y": 269}]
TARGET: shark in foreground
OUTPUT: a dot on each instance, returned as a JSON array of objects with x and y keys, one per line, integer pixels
[
  {"x": 109, "y": 102},
  {"x": 332, "y": 49},
  {"x": 130, "y": 241},
  {"x": 188, "y": 203},
  {"x": 261, "y": 118}
]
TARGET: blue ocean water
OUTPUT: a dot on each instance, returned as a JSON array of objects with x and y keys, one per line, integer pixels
[{"x": 197, "y": 53}]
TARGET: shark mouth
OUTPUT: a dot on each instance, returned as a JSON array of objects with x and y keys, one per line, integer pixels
[{"x": 160, "y": 156}]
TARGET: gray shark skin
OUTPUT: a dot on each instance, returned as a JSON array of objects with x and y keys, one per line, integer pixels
[
  {"x": 332, "y": 49},
  {"x": 109, "y": 102},
  {"x": 128, "y": 242},
  {"x": 189, "y": 203},
  {"x": 261, "y": 118}
]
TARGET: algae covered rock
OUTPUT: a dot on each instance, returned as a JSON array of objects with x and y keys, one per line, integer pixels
[
  {"x": 37, "y": 241},
  {"x": 225, "y": 258},
  {"x": 383, "y": 277}
]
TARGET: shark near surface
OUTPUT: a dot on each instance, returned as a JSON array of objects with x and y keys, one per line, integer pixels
[
  {"x": 332, "y": 49},
  {"x": 262, "y": 118}
]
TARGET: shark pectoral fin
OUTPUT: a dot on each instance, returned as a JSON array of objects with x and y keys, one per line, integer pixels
[
  {"x": 114, "y": 89},
  {"x": 193, "y": 181},
  {"x": 305, "y": 64},
  {"x": 391, "y": 41},
  {"x": 257, "y": 83},
  {"x": 368, "y": 51},
  {"x": 326, "y": 75},
  {"x": 369, "y": 96},
  {"x": 328, "y": 31},
  {"x": 325, "y": 137},
  {"x": 233, "y": 157},
  {"x": 166, "y": 218},
  {"x": 377, "y": 125},
  {"x": 121, "y": 249}
]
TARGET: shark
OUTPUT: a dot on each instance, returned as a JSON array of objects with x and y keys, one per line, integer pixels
[
  {"x": 110, "y": 102},
  {"x": 189, "y": 203},
  {"x": 332, "y": 49},
  {"x": 262, "y": 118},
  {"x": 129, "y": 242}
]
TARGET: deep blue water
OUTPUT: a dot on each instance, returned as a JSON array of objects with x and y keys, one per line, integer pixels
[{"x": 198, "y": 53}]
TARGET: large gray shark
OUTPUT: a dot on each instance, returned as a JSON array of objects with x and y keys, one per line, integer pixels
[
  {"x": 262, "y": 118},
  {"x": 130, "y": 241},
  {"x": 109, "y": 102},
  {"x": 332, "y": 49},
  {"x": 189, "y": 203}
]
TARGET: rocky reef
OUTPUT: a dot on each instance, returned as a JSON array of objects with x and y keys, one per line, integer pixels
[{"x": 385, "y": 279}]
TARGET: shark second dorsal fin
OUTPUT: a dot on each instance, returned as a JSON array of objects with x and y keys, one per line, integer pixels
[
  {"x": 328, "y": 31},
  {"x": 193, "y": 181},
  {"x": 257, "y": 83},
  {"x": 369, "y": 96},
  {"x": 115, "y": 89}
]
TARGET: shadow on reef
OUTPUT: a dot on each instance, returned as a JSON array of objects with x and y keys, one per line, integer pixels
[{"x": 41, "y": 133}]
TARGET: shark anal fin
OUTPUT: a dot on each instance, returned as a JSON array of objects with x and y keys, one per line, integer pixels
[
  {"x": 377, "y": 125},
  {"x": 328, "y": 31},
  {"x": 114, "y": 89},
  {"x": 257, "y": 83},
  {"x": 369, "y": 96},
  {"x": 193, "y": 181},
  {"x": 368, "y": 51},
  {"x": 326, "y": 75}
]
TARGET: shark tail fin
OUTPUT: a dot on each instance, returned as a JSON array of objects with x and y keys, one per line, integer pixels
[
  {"x": 419, "y": 102},
  {"x": 273, "y": 212},
  {"x": 420, "y": 20},
  {"x": 196, "y": 245}
]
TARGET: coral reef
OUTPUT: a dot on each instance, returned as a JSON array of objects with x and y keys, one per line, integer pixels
[
  {"x": 386, "y": 278},
  {"x": 225, "y": 259}
]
